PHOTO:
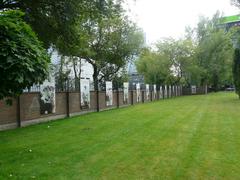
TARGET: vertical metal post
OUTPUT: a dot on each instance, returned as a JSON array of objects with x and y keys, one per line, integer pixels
[
  {"x": 151, "y": 93},
  {"x": 143, "y": 97},
  {"x": 117, "y": 96},
  {"x": 67, "y": 100},
  {"x": 18, "y": 111},
  {"x": 97, "y": 94},
  {"x": 67, "y": 104},
  {"x": 132, "y": 96},
  {"x": 163, "y": 92}
]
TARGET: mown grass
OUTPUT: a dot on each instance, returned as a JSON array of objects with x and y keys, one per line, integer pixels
[{"x": 194, "y": 137}]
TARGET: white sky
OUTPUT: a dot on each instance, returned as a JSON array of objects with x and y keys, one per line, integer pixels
[{"x": 165, "y": 18}]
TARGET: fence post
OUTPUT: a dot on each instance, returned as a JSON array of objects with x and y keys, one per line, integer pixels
[
  {"x": 117, "y": 97},
  {"x": 143, "y": 97},
  {"x": 177, "y": 91},
  {"x": 18, "y": 111},
  {"x": 173, "y": 91},
  {"x": 97, "y": 93},
  {"x": 132, "y": 97},
  {"x": 158, "y": 94},
  {"x": 67, "y": 100},
  {"x": 163, "y": 92},
  {"x": 67, "y": 104},
  {"x": 151, "y": 93}
]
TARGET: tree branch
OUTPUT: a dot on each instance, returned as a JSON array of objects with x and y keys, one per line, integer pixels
[{"x": 9, "y": 5}]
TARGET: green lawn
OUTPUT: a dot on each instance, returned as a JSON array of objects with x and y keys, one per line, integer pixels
[{"x": 194, "y": 137}]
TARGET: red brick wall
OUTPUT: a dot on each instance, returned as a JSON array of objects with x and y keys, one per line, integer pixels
[
  {"x": 74, "y": 102},
  {"x": 8, "y": 114},
  {"x": 61, "y": 100},
  {"x": 102, "y": 100},
  {"x": 114, "y": 99},
  {"x": 145, "y": 96},
  {"x": 93, "y": 102},
  {"x": 29, "y": 106},
  {"x": 130, "y": 97},
  {"x": 121, "y": 98},
  {"x": 134, "y": 97}
]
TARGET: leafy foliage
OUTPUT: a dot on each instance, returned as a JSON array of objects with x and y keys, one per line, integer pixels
[
  {"x": 236, "y": 70},
  {"x": 172, "y": 62},
  {"x": 214, "y": 53},
  {"x": 154, "y": 66},
  {"x": 97, "y": 30},
  {"x": 23, "y": 59},
  {"x": 51, "y": 19},
  {"x": 203, "y": 57},
  {"x": 180, "y": 54},
  {"x": 109, "y": 40}
]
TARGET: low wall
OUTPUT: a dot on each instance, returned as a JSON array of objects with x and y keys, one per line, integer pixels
[
  {"x": 188, "y": 91},
  {"x": 26, "y": 109}
]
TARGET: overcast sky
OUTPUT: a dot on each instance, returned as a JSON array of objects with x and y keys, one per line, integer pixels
[{"x": 164, "y": 18}]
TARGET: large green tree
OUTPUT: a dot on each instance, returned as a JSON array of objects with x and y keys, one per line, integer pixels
[
  {"x": 181, "y": 55},
  {"x": 203, "y": 57},
  {"x": 109, "y": 40},
  {"x": 155, "y": 67},
  {"x": 236, "y": 70},
  {"x": 172, "y": 62},
  {"x": 23, "y": 60},
  {"x": 51, "y": 19},
  {"x": 214, "y": 53}
]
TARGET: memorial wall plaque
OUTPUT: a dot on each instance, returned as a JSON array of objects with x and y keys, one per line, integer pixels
[
  {"x": 138, "y": 92},
  {"x": 47, "y": 97},
  {"x": 85, "y": 93},
  {"x": 109, "y": 93},
  {"x": 125, "y": 92},
  {"x": 147, "y": 92}
]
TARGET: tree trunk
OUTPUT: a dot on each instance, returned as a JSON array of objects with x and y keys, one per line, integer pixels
[
  {"x": 76, "y": 79},
  {"x": 61, "y": 74},
  {"x": 95, "y": 77},
  {"x": 80, "y": 73}
]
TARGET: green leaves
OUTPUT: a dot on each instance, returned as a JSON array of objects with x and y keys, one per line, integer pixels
[
  {"x": 104, "y": 38},
  {"x": 236, "y": 70},
  {"x": 154, "y": 66},
  {"x": 204, "y": 56},
  {"x": 171, "y": 61},
  {"x": 23, "y": 60},
  {"x": 214, "y": 53}
]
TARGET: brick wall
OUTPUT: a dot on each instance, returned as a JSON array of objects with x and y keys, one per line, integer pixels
[
  {"x": 188, "y": 91},
  {"x": 30, "y": 106},
  {"x": 8, "y": 114}
]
